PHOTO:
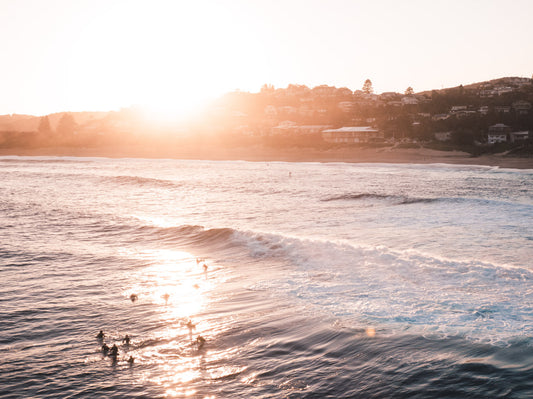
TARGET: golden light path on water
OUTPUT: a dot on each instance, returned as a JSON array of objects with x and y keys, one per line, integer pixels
[{"x": 180, "y": 289}]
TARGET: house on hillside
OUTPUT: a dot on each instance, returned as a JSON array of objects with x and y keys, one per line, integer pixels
[
  {"x": 409, "y": 100},
  {"x": 502, "y": 109},
  {"x": 498, "y": 133},
  {"x": 443, "y": 136},
  {"x": 440, "y": 117},
  {"x": 503, "y": 89},
  {"x": 483, "y": 110},
  {"x": 289, "y": 127},
  {"x": 521, "y": 107},
  {"x": 487, "y": 93},
  {"x": 352, "y": 134},
  {"x": 518, "y": 136},
  {"x": 458, "y": 108}
]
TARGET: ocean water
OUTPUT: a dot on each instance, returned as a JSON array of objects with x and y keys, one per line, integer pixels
[{"x": 323, "y": 280}]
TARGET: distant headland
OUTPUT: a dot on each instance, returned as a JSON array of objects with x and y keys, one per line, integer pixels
[{"x": 487, "y": 123}]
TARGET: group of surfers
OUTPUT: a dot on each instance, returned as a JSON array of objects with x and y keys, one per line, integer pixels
[{"x": 113, "y": 351}]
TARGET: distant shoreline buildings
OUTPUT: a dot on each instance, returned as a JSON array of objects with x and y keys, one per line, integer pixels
[{"x": 480, "y": 115}]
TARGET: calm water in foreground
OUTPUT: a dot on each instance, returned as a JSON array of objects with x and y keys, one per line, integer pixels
[{"x": 323, "y": 280}]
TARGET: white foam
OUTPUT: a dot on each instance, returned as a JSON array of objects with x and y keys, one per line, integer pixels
[{"x": 401, "y": 291}]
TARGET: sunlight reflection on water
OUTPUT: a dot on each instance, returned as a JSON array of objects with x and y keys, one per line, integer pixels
[
  {"x": 173, "y": 280},
  {"x": 179, "y": 288}
]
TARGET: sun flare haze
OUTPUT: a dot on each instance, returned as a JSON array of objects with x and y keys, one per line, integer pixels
[{"x": 173, "y": 56}]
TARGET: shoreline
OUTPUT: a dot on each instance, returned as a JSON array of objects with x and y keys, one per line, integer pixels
[{"x": 262, "y": 154}]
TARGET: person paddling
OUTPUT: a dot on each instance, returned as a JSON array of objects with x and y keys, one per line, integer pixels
[
  {"x": 114, "y": 352},
  {"x": 200, "y": 342}
]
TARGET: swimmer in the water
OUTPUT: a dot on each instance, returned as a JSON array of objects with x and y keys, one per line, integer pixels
[
  {"x": 114, "y": 351},
  {"x": 105, "y": 349},
  {"x": 134, "y": 297},
  {"x": 205, "y": 267},
  {"x": 191, "y": 327},
  {"x": 126, "y": 340},
  {"x": 131, "y": 360},
  {"x": 200, "y": 341},
  {"x": 165, "y": 297},
  {"x": 100, "y": 335}
]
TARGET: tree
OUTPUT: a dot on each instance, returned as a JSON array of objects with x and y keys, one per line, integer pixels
[
  {"x": 66, "y": 125},
  {"x": 367, "y": 87},
  {"x": 409, "y": 91},
  {"x": 44, "y": 125},
  {"x": 267, "y": 88}
]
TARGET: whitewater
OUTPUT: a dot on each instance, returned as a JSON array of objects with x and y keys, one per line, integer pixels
[{"x": 321, "y": 279}]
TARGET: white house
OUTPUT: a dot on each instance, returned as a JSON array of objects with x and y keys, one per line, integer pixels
[
  {"x": 409, "y": 100},
  {"x": 498, "y": 133},
  {"x": 352, "y": 134}
]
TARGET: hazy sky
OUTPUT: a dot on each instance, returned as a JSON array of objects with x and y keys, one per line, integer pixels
[{"x": 74, "y": 55}]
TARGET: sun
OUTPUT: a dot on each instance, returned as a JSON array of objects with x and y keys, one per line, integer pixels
[{"x": 169, "y": 60}]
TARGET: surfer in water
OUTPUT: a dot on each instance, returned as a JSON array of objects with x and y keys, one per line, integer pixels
[
  {"x": 126, "y": 340},
  {"x": 114, "y": 352},
  {"x": 105, "y": 349},
  {"x": 200, "y": 342},
  {"x": 131, "y": 360},
  {"x": 165, "y": 297},
  {"x": 133, "y": 297},
  {"x": 100, "y": 335},
  {"x": 191, "y": 327}
]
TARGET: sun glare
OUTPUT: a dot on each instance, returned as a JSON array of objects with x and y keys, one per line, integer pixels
[
  {"x": 160, "y": 59},
  {"x": 174, "y": 281}
]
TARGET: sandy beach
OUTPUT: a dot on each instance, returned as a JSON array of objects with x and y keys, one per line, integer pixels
[{"x": 356, "y": 155}]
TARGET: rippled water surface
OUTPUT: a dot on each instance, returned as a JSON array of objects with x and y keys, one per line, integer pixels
[{"x": 321, "y": 280}]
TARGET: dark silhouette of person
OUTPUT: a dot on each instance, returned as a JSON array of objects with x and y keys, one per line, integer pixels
[
  {"x": 191, "y": 327},
  {"x": 114, "y": 352},
  {"x": 131, "y": 360},
  {"x": 105, "y": 349},
  {"x": 134, "y": 297},
  {"x": 200, "y": 341},
  {"x": 100, "y": 335},
  {"x": 126, "y": 339}
]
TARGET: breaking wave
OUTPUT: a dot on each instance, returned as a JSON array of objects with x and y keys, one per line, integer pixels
[
  {"x": 140, "y": 181},
  {"x": 396, "y": 199},
  {"x": 399, "y": 291}
]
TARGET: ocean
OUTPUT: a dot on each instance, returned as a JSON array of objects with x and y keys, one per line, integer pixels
[{"x": 321, "y": 280}]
